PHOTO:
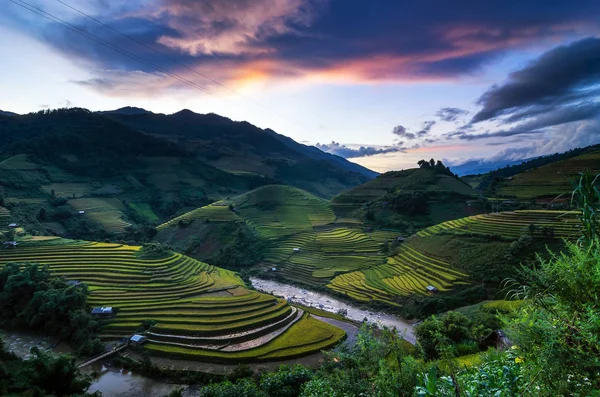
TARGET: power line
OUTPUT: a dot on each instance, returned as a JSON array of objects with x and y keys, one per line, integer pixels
[
  {"x": 105, "y": 43},
  {"x": 170, "y": 58},
  {"x": 99, "y": 40}
]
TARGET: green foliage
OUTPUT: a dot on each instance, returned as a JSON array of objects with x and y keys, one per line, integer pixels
[
  {"x": 286, "y": 382},
  {"x": 438, "y": 334},
  {"x": 560, "y": 322},
  {"x": 374, "y": 366},
  {"x": 586, "y": 197},
  {"x": 42, "y": 375},
  {"x": 244, "y": 387},
  {"x": 31, "y": 299},
  {"x": 243, "y": 248},
  {"x": 154, "y": 251},
  {"x": 500, "y": 377}
]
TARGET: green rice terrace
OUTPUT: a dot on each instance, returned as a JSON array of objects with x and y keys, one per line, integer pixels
[
  {"x": 431, "y": 256},
  {"x": 563, "y": 224},
  {"x": 198, "y": 311},
  {"x": 550, "y": 180},
  {"x": 302, "y": 240}
]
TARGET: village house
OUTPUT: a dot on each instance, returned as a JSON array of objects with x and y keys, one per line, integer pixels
[
  {"x": 102, "y": 311},
  {"x": 137, "y": 340}
]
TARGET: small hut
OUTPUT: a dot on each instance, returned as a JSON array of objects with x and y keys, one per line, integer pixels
[
  {"x": 102, "y": 312},
  {"x": 137, "y": 340},
  {"x": 431, "y": 289}
]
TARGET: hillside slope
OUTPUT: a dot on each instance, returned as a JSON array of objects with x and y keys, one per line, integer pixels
[
  {"x": 72, "y": 160},
  {"x": 483, "y": 181},
  {"x": 409, "y": 199},
  {"x": 548, "y": 181},
  {"x": 187, "y": 308},
  {"x": 278, "y": 227},
  {"x": 241, "y": 147}
]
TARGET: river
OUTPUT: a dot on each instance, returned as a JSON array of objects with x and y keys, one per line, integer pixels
[
  {"x": 116, "y": 382},
  {"x": 328, "y": 303}
]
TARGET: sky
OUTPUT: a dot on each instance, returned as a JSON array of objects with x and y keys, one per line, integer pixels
[{"x": 383, "y": 83}]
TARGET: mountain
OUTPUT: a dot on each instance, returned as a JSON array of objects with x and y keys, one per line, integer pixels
[
  {"x": 485, "y": 181},
  {"x": 242, "y": 148},
  {"x": 408, "y": 199},
  {"x": 548, "y": 181},
  {"x": 5, "y": 113},
  {"x": 130, "y": 168},
  {"x": 127, "y": 110},
  {"x": 475, "y": 167},
  {"x": 57, "y": 163}
]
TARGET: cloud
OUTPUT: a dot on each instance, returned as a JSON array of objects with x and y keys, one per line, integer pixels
[
  {"x": 449, "y": 114},
  {"x": 316, "y": 40},
  {"x": 538, "y": 125},
  {"x": 562, "y": 74},
  {"x": 363, "y": 151},
  {"x": 426, "y": 127},
  {"x": 402, "y": 132}
]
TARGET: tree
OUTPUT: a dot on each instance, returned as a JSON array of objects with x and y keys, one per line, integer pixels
[{"x": 41, "y": 215}]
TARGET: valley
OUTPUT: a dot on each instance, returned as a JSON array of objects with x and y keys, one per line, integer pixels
[{"x": 221, "y": 262}]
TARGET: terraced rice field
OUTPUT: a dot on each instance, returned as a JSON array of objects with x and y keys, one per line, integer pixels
[
  {"x": 408, "y": 272},
  {"x": 411, "y": 271},
  {"x": 106, "y": 211},
  {"x": 323, "y": 254},
  {"x": 550, "y": 180},
  {"x": 4, "y": 218},
  {"x": 68, "y": 189},
  {"x": 18, "y": 162},
  {"x": 512, "y": 224},
  {"x": 216, "y": 212},
  {"x": 200, "y": 311},
  {"x": 277, "y": 211}
]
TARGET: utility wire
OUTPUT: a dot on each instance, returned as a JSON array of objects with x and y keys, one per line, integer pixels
[
  {"x": 105, "y": 43},
  {"x": 170, "y": 58},
  {"x": 99, "y": 40}
]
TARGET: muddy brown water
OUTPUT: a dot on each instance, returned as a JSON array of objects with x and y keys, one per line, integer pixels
[
  {"x": 328, "y": 303},
  {"x": 117, "y": 382}
]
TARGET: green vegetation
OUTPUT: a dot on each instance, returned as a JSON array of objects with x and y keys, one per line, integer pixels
[
  {"x": 30, "y": 299},
  {"x": 250, "y": 151},
  {"x": 454, "y": 257},
  {"x": 409, "y": 199},
  {"x": 191, "y": 308},
  {"x": 486, "y": 182},
  {"x": 276, "y": 226},
  {"x": 555, "y": 330},
  {"x": 548, "y": 181},
  {"x": 41, "y": 375}
]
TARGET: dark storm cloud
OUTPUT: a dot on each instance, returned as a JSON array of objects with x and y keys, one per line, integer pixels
[
  {"x": 363, "y": 151},
  {"x": 451, "y": 114},
  {"x": 376, "y": 41},
  {"x": 564, "y": 74},
  {"x": 557, "y": 89}
]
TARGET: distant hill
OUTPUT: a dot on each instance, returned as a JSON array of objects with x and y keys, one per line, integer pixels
[
  {"x": 476, "y": 167},
  {"x": 483, "y": 181},
  {"x": 550, "y": 180},
  {"x": 127, "y": 110},
  {"x": 276, "y": 226},
  {"x": 408, "y": 199},
  {"x": 5, "y": 113},
  {"x": 73, "y": 160},
  {"x": 122, "y": 176},
  {"x": 241, "y": 147}
]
